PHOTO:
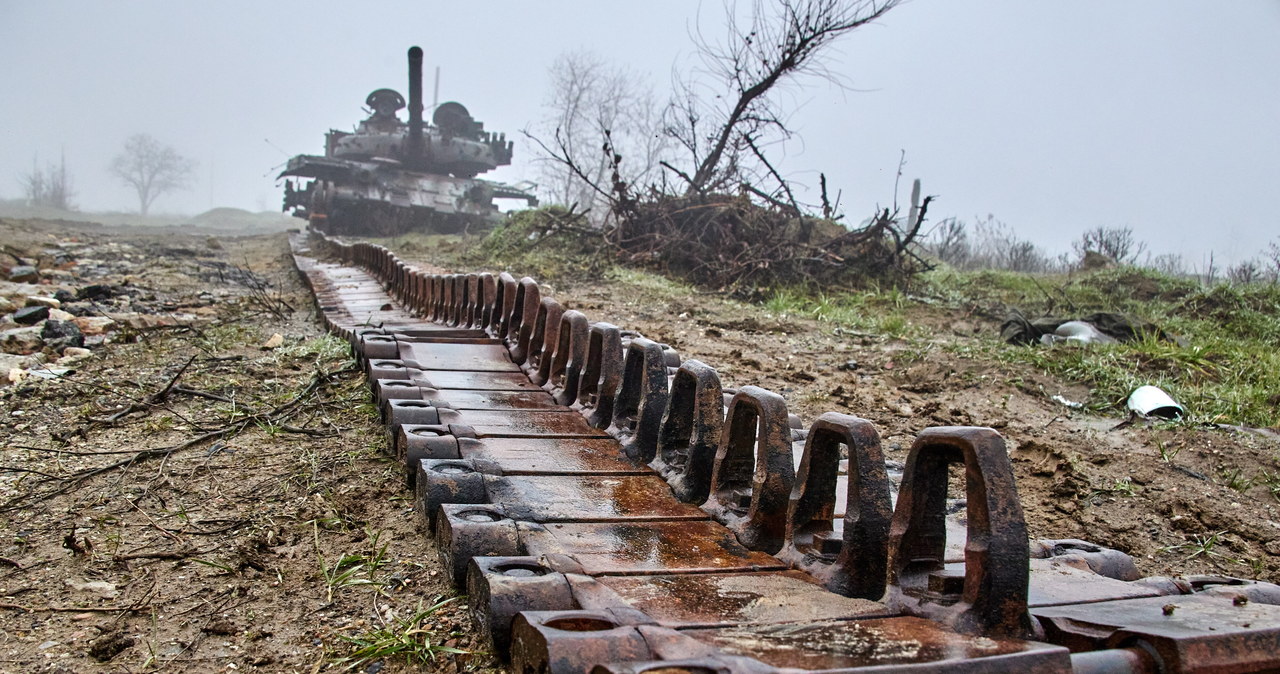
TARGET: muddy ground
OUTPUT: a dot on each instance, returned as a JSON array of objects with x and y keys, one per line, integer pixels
[
  {"x": 187, "y": 499},
  {"x": 193, "y": 497}
]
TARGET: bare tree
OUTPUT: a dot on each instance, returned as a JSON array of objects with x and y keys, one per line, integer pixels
[
  {"x": 50, "y": 187},
  {"x": 1271, "y": 262},
  {"x": 771, "y": 44},
  {"x": 1245, "y": 273},
  {"x": 151, "y": 168},
  {"x": 1171, "y": 264},
  {"x": 602, "y": 117},
  {"x": 949, "y": 242},
  {"x": 1117, "y": 243}
]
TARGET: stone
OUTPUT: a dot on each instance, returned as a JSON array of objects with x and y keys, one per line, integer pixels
[
  {"x": 74, "y": 354},
  {"x": 274, "y": 341},
  {"x": 11, "y": 361},
  {"x": 99, "y": 292},
  {"x": 24, "y": 274},
  {"x": 63, "y": 295},
  {"x": 58, "y": 335},
  {"x": 60, "y": 315},
  {"x": 42, "y": 301},
  {"x": 94, "y": 325},
  {"x": 7, "y": 307},
  {"x": 21, "y": 340},
  {"x": 30, "y": 315}
]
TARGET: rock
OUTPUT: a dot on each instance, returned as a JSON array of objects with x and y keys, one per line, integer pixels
[
  {"x": 13, "y": 367},
  {"x": 42, "y": 301},
  {"x": 30, "y": 315},
  {"x": 274, "y": 341},
  {"x": 109, "y": 645},
  {"x": 94, "y": 325},
  {"x": 59, "y": 274},
  {"x": 60, "y": 315},
  {"x": 24, "y": 274},
  {"x": 74, "y": 354},
  {"x": 77, "y": 309},
  {"x": 63, "y": 295},
  {"x": 6, "y": 307},
  {"x": 99, "y": 292},
  {"x": 848, "y": 365},
  {"x": 99, "y": 587},
  {"x": 58, "y": 335}
]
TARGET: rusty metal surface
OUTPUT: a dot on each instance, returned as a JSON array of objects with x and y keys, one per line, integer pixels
[
  {"x": 445, "y": 379},
  {"x": 690, "y": 432},
  {"x": 551, "y": 456},
  {"x": 641, "y": 400},
  {"x": 569, "y": 357},
  {"x": 548, "y": 498},
  {"x": 587, "y": 548},
  {"x": 557, "y": 642},
  {"x": 1096, "y": 558},
  {"x": 752, "y": 475},
  {"x": 558, "y": 423},
  {"x": 601, "y": 375},
  {"x": 638, "y": 548},
  {"x": 452, "y": 356},
  {"x": 542, "y": 341},
  {"x": 852, "y": 562},
  {"x": 487, "y": 400},
  {"x": 888, "y": 644},
  {"x": 718, "y": 599},
  {"x": 990, "y": 594},
  {"x": 1194, "y": 633}
]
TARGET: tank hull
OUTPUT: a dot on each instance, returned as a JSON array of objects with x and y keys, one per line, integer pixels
[{"x": 389, "y": 177}]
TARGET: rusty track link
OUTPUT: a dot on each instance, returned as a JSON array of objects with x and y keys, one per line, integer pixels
[{"x": 611, "y": 509}]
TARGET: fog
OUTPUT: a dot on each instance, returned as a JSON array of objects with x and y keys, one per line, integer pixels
[{"x": 1159, "y": 115}]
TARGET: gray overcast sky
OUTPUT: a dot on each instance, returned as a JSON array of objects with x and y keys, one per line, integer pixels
[{"x": 1161, "y": 115}]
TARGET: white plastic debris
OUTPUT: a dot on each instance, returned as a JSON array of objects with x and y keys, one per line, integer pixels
[
  {"x": 1151, "y": 401},
  {"x": 1069, "y": 403},
  {"x": 1077, "y": 333}
]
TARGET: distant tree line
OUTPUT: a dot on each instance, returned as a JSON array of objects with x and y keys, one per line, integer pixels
[
  {"x": 988, "y": 243},
  {"x": 150, "y": 168}
]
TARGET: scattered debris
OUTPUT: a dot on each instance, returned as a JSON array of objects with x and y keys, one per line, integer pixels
[
  {"x": 1068, "y": 403},
  {"x": 1018, "y": 329},
  {"x": 1151, "y": 401},
  {"x": 1077, "y": 333}
]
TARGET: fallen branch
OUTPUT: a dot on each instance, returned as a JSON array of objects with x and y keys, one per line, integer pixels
[{"x": 276, "y": 417}]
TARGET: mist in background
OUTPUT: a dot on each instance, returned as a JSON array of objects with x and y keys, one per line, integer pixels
[{"x": 1159, "y": 115}]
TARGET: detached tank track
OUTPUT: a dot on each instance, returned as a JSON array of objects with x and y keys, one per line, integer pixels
[{"x": 605, "y": 513}]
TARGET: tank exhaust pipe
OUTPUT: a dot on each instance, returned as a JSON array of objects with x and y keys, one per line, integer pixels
[{"x": 415, "y": 104}]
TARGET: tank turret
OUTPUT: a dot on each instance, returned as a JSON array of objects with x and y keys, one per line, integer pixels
[{"x": 389, "y": 176}]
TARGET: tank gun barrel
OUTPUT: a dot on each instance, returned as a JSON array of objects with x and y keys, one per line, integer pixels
[{"x": 415, "y": 104}]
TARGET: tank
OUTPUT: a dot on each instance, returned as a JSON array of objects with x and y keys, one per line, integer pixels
[{"x": 389, "y": 177}]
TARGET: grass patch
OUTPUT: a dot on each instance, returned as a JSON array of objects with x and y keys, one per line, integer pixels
[
  {"x": 407, "y": 639},
  {"x": 1224, "y": 368},
  {"x": 868, "y": 311}
]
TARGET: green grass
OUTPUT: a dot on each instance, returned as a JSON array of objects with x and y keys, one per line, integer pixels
[
  {"x": 875, "y": 311},
  {"x": 407, "y": 639},
  {"x": 1223, "y": 368},
  {"x": 354, "y": 568}
]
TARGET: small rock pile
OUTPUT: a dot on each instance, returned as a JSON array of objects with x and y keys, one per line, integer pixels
[{"x": 76, "y": 297}]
